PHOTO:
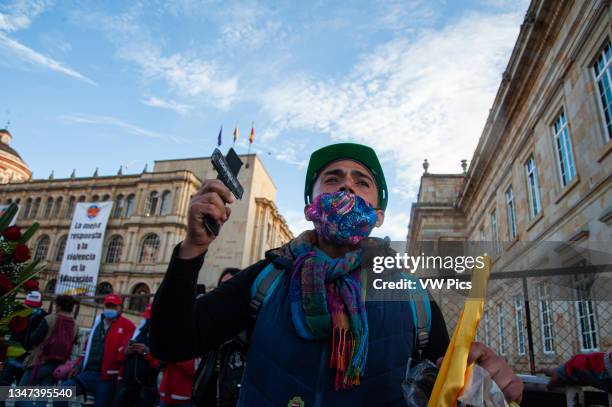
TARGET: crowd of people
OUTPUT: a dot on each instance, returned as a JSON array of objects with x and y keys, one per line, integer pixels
[{"x": 115, "y": 365}]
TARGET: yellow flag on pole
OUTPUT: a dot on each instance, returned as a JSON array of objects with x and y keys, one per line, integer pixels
[{"x": 455, "y": 370}]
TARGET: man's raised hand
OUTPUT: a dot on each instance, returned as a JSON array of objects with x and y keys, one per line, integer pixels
[{"x": 210, "y": 201}]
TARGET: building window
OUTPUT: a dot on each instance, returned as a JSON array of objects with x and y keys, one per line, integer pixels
[
  {"x": 149, "y": 249},
  {"x": 585, "y": 314},
  {"x": 50, "y": 287},
  {"x": 42, "y": 247},
  {"x": 103, "y": 289},
  {"x": 563, "y": 145},
  {"x": 520, "y": 325},
  {"x": 151, "y": 204},
  {"x": 82, "y": 198},
  {"x": 603, "y": 77},
  {"x": 139, "y": 303},
  {"x": 501, "y": 329},
  {"x": 533, "y": 190},
  {"x": 166, "y": 203},
  {"x": 494, "y": 231},
  {"x": 511, "y": 214},
  {"x": 115, "y": 247},
  {"x": 487, "y": 329},
  {"x": 546, "y": 322},
  {"x": 106, "y": 198},
  {"x": 95, "y": 198},
  {"x": 129, "y": 205},
  {"x": 61, "y": 248},
  {"x": 48, "y": 208},
  {"x": 119, "y": 204},
  {"x": 69, "y": 208},
  {"x": 35, "y": 207},
  {"x": 28, "y": 208},
  {"x": 57, "y": 208}
]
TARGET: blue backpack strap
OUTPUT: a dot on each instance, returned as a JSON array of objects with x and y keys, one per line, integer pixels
[
  {"x": 421, "y": 312},
  {"x": 266, "y": 282}
]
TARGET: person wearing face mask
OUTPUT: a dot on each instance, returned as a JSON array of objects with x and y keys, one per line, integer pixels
[
  {"x": 315, "y": 341},
  {"x": 98, "y": 369}
]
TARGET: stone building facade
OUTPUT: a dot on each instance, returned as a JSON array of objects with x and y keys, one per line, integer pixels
[
  {"x": 148, "y": 219},
  {"x": 540, "y": 178}
]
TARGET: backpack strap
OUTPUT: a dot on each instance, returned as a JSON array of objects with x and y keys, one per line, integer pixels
[
  {"x": 266, "y": 282},
  {"x": 421, "y": 312}
]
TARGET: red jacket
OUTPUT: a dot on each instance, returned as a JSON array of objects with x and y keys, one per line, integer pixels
[
  {"x": 117, "y": 337},
  {"x": 177, "y": 382}
]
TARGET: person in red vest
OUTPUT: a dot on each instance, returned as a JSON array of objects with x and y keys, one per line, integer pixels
[
  {"x": 177, "y": 382},
  {"x": 99, "y": 367}
]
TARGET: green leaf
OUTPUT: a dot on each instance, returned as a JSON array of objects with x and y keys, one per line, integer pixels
[
  {"x": 27, "y": 273},
  {"x": 7, "y": 216},
  {"x": 28, "y": 233}
]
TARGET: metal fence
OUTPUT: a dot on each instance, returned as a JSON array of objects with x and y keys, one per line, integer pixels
[{"x": 542, "y": 318}]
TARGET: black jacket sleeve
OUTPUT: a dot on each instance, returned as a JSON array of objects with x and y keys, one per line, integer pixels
[
  {"x": 36, "y": 337},
  {"x": 183, "y": 327},
  {"x": 438, "y": 335}
]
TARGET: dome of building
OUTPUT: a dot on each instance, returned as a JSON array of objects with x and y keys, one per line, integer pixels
[{"x": 12, "y": 167}]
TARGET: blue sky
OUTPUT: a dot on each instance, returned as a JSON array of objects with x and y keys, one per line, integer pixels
[{"x": 89, "y": 84}]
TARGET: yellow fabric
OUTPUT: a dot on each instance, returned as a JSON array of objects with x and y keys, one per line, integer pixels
[{"x": 454, "y": 369}]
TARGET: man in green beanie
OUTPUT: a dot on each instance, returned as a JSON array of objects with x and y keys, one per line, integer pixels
[{"x": 314, "y": 339}]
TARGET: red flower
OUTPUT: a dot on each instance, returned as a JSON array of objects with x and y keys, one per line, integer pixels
[
  {"x": 18, "y": 324},
  {"x": 31, "y": 285},
  {"x": 6, "y": 284},
  {"x": 12, "y": 233},
  {"x": 21, "y": 253}
]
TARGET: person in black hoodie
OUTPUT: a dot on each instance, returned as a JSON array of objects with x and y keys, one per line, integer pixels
[
  {"x": 137, "y": 385},
  {"x": 218, "y": 378}
]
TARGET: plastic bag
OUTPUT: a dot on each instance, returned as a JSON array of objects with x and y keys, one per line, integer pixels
[
  {"x": 419, "y": 382},
  {"x": 481, "y": 391}
]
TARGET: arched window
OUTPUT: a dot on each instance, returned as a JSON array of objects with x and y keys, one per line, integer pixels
[
  {"x": 82, "y": 198},
  {"x": 28, "y": 208},
  {"x": 102, "y": 289},
  {"x": 57, "y": 207},
  {"x": 42, "y": 247},
  {"x": 48, "y": 208},
  {"x": 130, "y": 205},
  {"x": 35, "y": 207},
  {"x": 106, "y": 197},
  {"x": 50, "y": 287},
  {"x": 119, "y": 204},
  {"x": 139, "y": 303},
  {"x": 95, "y": 198},
  {"x": 151, "y": 205},
  {"x": 149, "y": 249},
  {"x": 166, "y": 203},
  {"x": 69, "y": 208},
  {"x": 61, "y": 248},
  {"x": 115, "y": 247},
  {"x": 9, "y": 201}
]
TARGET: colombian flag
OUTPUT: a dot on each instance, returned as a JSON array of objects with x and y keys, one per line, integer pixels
[
  {"x": 235, "y": 134},
  {"x": 252, "y": 136}
]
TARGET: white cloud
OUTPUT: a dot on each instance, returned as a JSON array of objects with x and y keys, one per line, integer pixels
[
  {"x": 179, "y": 108},
  {"x": 28, "y": 55},
  {"x": 19, "y": 14},
  {"x": 187, "y": 74},
  {"x": 410, "y": 99},
  {"x": 395, "y": 226},
  {"x": 297, "y": 222},
  {"x": 121, "y": 124}
]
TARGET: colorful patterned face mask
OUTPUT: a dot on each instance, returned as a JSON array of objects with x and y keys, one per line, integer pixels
[{"x": 342, "y": 217}]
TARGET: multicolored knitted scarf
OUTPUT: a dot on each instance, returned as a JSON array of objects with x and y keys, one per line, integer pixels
[{"x": 326, "y": 303}]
